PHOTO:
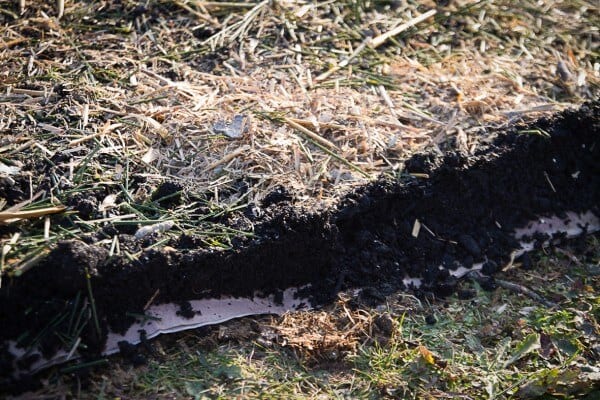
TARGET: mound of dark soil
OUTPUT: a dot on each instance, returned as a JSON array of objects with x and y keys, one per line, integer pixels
[{"x": 467, "y": 206}]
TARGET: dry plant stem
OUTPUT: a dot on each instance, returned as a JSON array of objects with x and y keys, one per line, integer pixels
[
  {"x": 325, "y": 125},
  {"x": 201, "y": 16},
  {"x": 311, "y": 134},
  {"x": 60, "y": 8},
  {"x": 227, "y": 158},
  {"x": 8, "y": 217},
  {"x": 225, "y": 4},
  {"x": 324, "y": 145},
  {"x": 30, "y": 263},
  {"x": 343, "y": 63},
  {"x": 381, "y": 39},
  {"x": 514, "y": 287},
  {"x": 235, "y": 31},
  {"x": 376, "y": 42}
]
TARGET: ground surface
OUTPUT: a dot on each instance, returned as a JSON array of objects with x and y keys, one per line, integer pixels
[
  {"x": 473, "y": 345},
  {"x": 212, "y": 125},
  {"x": 468, "y": 205}
]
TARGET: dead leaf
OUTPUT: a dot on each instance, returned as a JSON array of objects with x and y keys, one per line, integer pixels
[{"x": 426, "y": 355}]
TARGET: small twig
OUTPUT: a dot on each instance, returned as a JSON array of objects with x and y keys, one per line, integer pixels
[
  {"x": 310, "y": 134},
  {"x": 227, "y": 158},
  {"x": 381, "y": 39},
  {"x": 104, "y": 130},
  {"x": 514, "y": 287}
]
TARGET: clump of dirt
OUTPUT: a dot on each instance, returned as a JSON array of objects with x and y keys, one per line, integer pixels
[
  {"x": 451, "y": 211},
  {"x": 168, "y": 194}
]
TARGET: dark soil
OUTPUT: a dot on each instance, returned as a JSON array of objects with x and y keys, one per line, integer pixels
[{"x": 468, "y": 207}]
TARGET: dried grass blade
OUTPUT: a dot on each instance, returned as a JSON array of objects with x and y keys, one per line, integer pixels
[
  {"x": 8, "y": 216},
  {"x": 310, "y": 134},
  {"x": 381, "y": 39},
  {"x": 227, "y": 158}
]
